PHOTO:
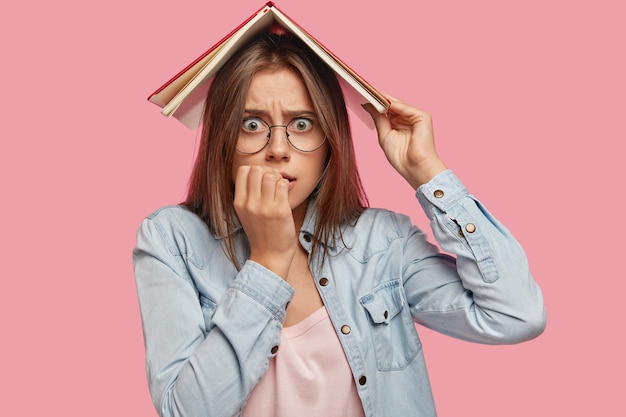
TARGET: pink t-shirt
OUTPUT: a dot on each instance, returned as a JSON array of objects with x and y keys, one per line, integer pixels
[{"x": 309, "y": 376}]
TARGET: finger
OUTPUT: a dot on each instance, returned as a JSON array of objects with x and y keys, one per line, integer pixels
[
  {"x": 380, "y": 120},
  {"x": 392, "y": 98},
  {"x": 268, "y": 187},
  {"x": 241, "y": 184},
  {"x": 407, "y": 112},
  {"x": 258, "y": 181},
  {"x": 282, "y": 192}
]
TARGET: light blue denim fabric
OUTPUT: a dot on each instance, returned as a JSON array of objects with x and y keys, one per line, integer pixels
[{"x": 209, "y": 330}]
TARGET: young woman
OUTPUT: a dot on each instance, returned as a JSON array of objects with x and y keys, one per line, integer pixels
[{"x": 274, "y": 291}]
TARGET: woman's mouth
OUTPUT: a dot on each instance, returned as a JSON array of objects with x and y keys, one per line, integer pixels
[{"x": 289, "y": 178}]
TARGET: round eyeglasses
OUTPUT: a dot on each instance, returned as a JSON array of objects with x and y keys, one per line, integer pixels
[{"x": 302, "y": 134}]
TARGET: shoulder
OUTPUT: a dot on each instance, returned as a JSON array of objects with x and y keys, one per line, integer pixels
[
  {"x": 384, "y": 222},
  {"x": 172, "y": 220},
  {"x": 181, "y": 231},
  {"x": 175, "y": 217}
]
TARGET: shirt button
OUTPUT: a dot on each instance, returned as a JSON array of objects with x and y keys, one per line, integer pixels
[
  {"x": 362, "y": 380},
  {"x": 470, "y": 228},
  {"x": 324, "y": 282},
  {"x": 386, "y": 314},
  {"x": 345, "y": 329},
  {"x": 307, "y": 238},
  {"x": 438, "y": 193},
  {"x": 274, "y": 350}
]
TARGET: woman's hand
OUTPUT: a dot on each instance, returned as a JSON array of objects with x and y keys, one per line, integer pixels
[
  {"x": 262, "y": 205},
  {"x": 406, "y": 136}
]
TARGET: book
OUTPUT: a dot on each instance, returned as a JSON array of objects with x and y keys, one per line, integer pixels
[{"x": 182, "y": 97}]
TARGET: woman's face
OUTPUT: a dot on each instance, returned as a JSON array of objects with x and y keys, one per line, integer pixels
[{"x": 278, "y": 97}]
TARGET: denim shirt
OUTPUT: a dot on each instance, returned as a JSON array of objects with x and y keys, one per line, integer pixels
[{"x": 210, "y": 330}]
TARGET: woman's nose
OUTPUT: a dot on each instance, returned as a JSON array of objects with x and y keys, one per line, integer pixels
[{"x": 278, "y": 146}]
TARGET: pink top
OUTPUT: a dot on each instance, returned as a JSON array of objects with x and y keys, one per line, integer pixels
[{"x": 309, "y": 376}]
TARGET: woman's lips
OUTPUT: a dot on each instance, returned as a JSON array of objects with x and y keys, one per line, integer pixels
[{"x": 289, "y": 178}]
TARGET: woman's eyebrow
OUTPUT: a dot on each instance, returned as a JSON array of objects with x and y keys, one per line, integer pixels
[{"x": 286, "y": 113}]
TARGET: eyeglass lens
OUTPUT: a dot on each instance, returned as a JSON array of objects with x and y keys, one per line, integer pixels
[{"x": 302, "y": 133}]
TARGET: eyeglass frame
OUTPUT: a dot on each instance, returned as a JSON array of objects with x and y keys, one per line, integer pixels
[{"x": 269, "y": 136}]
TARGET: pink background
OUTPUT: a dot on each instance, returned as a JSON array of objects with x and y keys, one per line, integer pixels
[{"x": 528, "y": 101}]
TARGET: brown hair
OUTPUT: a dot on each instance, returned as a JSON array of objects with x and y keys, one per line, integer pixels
[{"x": 339, "y": 198}]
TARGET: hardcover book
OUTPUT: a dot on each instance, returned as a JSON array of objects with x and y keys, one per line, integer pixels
[{"x": 182, "y": 97}]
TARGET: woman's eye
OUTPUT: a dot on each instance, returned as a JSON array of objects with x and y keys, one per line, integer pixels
[
  {"x": 252, "y": 124},
  {"x": 301, "y": 125}
]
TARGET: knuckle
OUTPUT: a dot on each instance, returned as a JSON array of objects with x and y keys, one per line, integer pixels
[{"x": 271, "y": 176}]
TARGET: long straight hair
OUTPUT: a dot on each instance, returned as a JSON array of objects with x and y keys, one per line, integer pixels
[{"x": 339, "y": 199}]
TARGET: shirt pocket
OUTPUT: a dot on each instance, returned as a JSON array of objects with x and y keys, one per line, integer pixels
[
  {"x": 393, "y": 332},
  {"x": 208, "y": 308}
]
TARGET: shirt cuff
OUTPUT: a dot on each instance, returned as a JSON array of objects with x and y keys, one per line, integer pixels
[
  {"x": 265, "y": 287},
  {"x": 440, "y": 193}
]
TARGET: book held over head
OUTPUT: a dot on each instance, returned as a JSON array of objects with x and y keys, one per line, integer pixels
[{"x": 182, "y": 97}]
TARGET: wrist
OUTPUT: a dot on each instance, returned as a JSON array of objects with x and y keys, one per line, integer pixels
[
  {"x": 277, "y": 263},
  {"x": 425, "y": 172}
]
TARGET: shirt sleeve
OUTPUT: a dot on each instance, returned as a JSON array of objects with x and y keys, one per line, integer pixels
[
  {"x": 483, "y": 290},
  {"x": 192, "y": 370}
]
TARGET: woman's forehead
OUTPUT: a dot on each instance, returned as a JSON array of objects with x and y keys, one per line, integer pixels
[{"x": 277, "y": 91}]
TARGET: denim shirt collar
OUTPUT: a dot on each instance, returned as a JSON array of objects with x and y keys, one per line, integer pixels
[{"x": 336, "y": 242}]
